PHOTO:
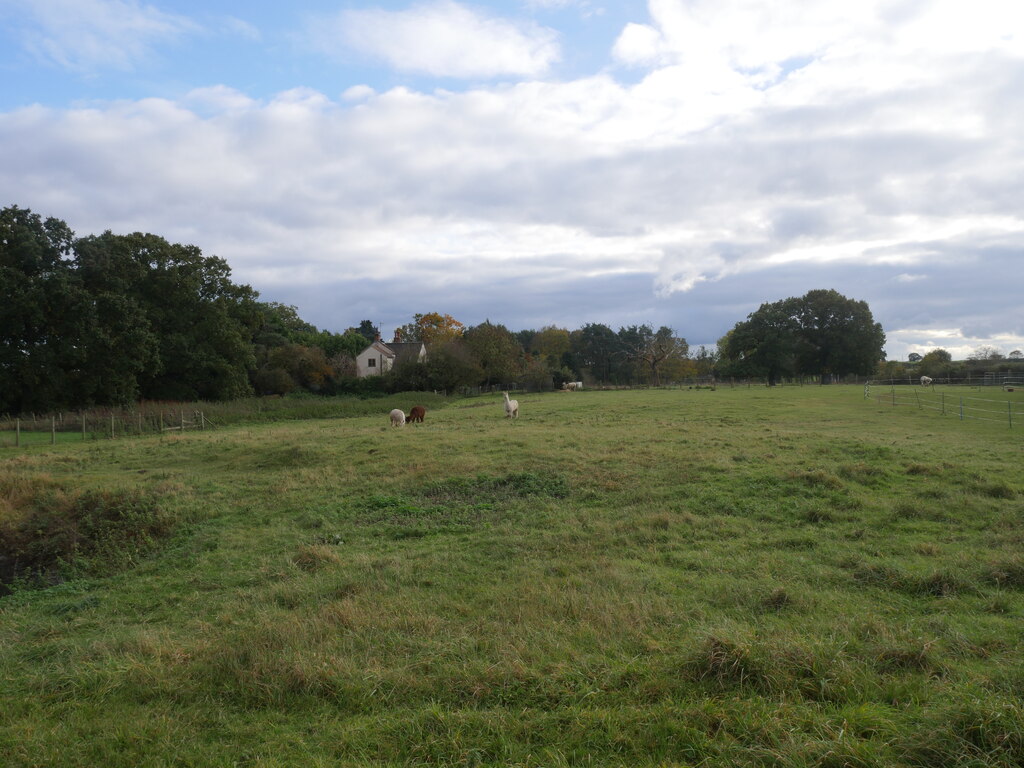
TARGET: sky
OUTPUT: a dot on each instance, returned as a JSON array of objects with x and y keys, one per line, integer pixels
[{"x": 544, "y": 162}]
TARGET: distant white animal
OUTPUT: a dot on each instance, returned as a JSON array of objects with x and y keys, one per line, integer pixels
[
  {"x": 397, "y": 418},
  {"x": 926, "y": 381},
  {"x": 511, "y": 407}
]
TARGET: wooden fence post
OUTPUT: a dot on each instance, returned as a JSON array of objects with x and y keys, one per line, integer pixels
[
  {"x": 53, "y": 430},
  {"x": 17, "y": 433}
]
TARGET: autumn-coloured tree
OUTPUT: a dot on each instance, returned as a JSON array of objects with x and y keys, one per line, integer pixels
[{"x": 431, "y": 328}]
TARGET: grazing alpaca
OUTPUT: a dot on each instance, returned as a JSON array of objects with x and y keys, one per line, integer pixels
[
  {"x": 926, "y": 380},
  {"x": 397, "y": 418},
  {"x": 416, "y": 414},
  {"x": 511, "y": 407}
]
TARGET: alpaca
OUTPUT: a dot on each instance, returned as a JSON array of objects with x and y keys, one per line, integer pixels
[
  {"x": 397, "y": 418},
  {"x": 926, "y": 380},
  {"x": 416, "y": 414},
  {"x": 511, "y": 407}
]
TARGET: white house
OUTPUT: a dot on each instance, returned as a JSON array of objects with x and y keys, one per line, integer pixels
[{"x": 379, "y": 358}]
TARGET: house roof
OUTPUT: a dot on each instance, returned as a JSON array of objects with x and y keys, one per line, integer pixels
[
  {"x": 406, "y": 351},
  {"x": 401, "y": 351},
  {"x": 381, "y": 347}
]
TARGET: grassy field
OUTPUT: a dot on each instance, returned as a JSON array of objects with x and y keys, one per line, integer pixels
[{"x": 740, "y": 577}]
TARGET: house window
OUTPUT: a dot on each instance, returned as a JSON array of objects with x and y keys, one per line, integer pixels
[{"x": 371, "y": 363}]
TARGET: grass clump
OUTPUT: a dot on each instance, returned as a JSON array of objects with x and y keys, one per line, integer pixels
[
  {"x": 49, "y": 532},
  {"x": 1007, "y": 573}
]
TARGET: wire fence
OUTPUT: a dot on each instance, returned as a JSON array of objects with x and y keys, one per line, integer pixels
[
  {"x": 948, "y": 398},
  {"x": 91, "y": 425}
]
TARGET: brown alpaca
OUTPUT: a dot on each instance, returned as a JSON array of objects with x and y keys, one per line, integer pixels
[{"x": 417, "y": 413}]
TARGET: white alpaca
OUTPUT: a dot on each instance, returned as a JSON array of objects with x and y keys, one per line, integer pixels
[
  {"x": 398, "y": 418},
  {"x": 926, "y": 381},
  {"x": 511, "y": 407}
]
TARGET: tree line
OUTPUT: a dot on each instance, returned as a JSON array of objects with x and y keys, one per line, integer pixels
[
  {"x": 939, "y": 365},
  {"x": 111, "y": 319}
]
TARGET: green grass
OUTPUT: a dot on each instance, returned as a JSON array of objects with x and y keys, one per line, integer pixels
[
  {"x": 748, "y": 577},
  {"x": 165, "y": 418}
]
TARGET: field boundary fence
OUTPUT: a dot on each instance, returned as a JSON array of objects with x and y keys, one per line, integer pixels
[
  {"x": 947, "y": 397},
  {"x": 67, "y": 426}
]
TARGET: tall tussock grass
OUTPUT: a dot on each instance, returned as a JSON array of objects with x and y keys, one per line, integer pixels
[{"x": 50, "y": 531}]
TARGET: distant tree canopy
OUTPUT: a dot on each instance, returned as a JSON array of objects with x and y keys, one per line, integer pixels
[
  {"x": 109, "y": 319},
  {"x": 821, "y": 333},
  {"x": 112, "y": 318}
]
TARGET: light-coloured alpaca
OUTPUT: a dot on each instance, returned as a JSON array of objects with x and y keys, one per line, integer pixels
[
  {"x": 926, "y": 381},
  {"x": 398, "y": 418},
  {"x": 511, "y": 407}
]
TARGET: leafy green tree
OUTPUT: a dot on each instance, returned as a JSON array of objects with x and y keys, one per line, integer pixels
[
  {"x": 43, "y": 313},
  {"x": 272, "y": 381},
  {"x": 765, "y": 344},
  {"x": 496, "y": 351},
  {"x": 368, "y": 331},
  {"x": 550, "y": 347},
  {"x": 524, "y": 337},
  {"x": 633, "y": 341},
  {"x": 308, "y": 367},
  {"x": 284, "y": 320},
  {"x": 705, "y": 360},
  {"x": 821, "y": 333},
  {"x": 837, "y": 335},
  {"x": 204, "y": 323},
  {"x": 121, "y": 344},
  {"x": 351, "y": 343},
  {"x": 536, "y": 375},
  {"x": 452, "y": 366},
  {"x": 596, "y": 349},
  {"x": 936, "y": 363}
]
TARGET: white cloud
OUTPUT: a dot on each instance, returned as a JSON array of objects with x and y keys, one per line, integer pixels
[
  {"x": 759, "y": 155},
  {"x": 242, "y": 28},
  {"x": 442, "y": 38},
  {"x": 88, "y": 36},
  {"x": 357, "y": 93}
]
